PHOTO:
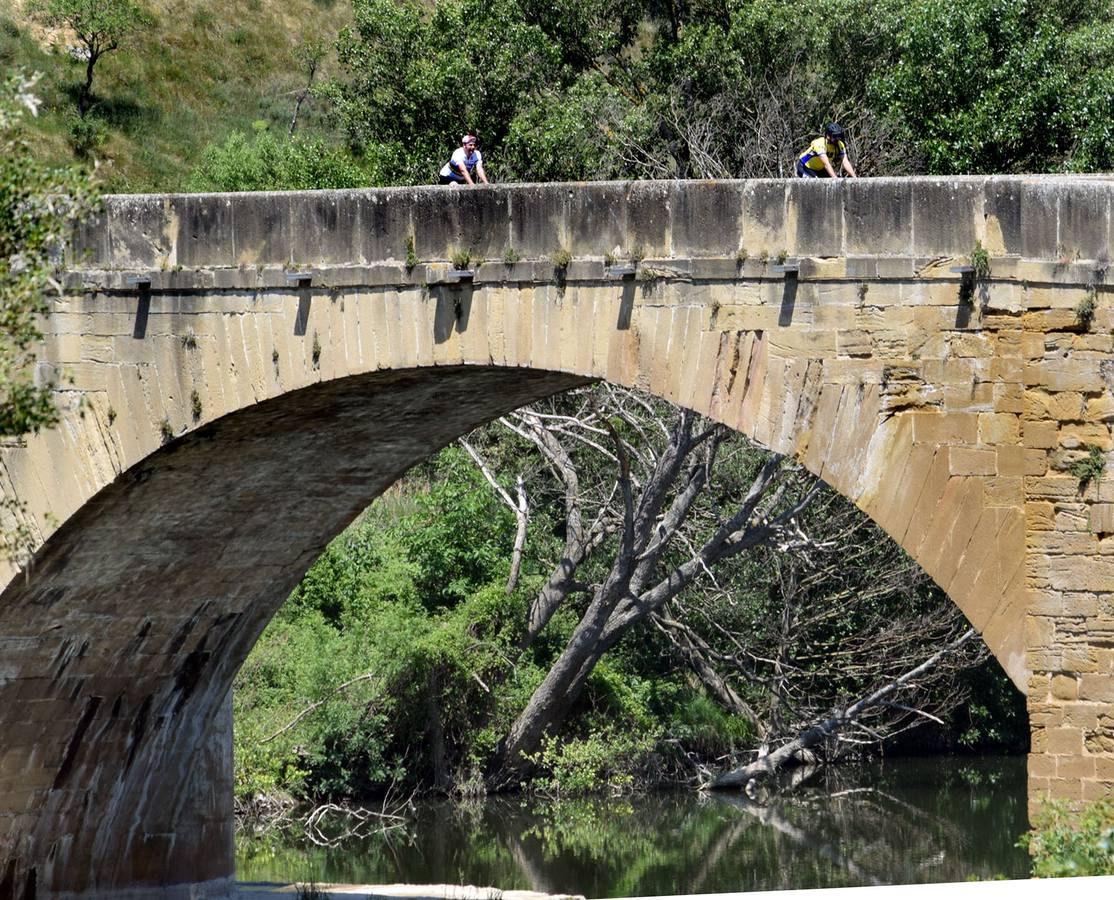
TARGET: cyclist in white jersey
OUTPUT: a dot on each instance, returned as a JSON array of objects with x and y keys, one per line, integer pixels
[{"x": 465, "y": 160}]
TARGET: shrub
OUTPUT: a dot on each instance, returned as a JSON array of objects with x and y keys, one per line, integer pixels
[
  {"x": 1064, "y": 843},
  {"x": 265, "y": 162},
  {"x": 1090, "y": 467}
]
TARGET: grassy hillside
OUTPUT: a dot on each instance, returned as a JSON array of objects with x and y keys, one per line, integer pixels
[{"x": 201, "y": 71}]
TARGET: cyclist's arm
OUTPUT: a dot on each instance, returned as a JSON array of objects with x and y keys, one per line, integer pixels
[
  {"x": 823, "y": 157},
  {"x": 848, "y": 168}
]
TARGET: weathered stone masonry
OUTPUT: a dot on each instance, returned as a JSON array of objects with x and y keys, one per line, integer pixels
[{"x": 241, "y": 374}]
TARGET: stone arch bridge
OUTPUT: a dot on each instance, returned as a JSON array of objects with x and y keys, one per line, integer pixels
[{"x": 241, "y": 374}]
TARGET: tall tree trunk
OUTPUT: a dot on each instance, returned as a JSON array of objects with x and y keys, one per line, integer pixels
[{"x": 86, "y": 89}]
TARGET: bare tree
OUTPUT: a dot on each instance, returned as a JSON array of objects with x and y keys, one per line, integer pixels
[
  {"x": 646, "y": 507},
  {"x": 309, "y": 55},
  {"x": 647, "y": 519}
]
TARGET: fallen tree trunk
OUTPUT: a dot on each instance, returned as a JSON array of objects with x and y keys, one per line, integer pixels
[{"x": 811, "y": 737}]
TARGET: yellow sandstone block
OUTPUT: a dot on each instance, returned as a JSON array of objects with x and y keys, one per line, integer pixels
[
  {"x": 1040, "y": 435},
  {"x": 1040, "y": 515},
  {"x": 971, "y": 461},
  {"x": 1100, "y": 409},
  {"x": 1073, "y": 437},
  {"x": 945, "y": 427},
  {"x": 999, "y": 428}
]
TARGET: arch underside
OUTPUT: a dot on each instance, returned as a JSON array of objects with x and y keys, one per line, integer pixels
[{"x": 121, "y": 643}]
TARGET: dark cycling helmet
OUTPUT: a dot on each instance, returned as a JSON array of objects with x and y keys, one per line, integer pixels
[{"x": 833, "y": 131}]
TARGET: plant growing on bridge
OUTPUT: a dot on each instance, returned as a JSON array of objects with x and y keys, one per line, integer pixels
[
  {"x": 1090, "y": 467},
  {"x": 980, "y": 261},
  {"x": 411, "y": 255},
  {"x": 100, "y": 26},
  {"x": 462, "y": 259},
  {"x": 1085, "y": 309}
]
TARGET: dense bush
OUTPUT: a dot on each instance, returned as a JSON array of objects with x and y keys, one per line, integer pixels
[
  {"x": 264, "y": 162},
  {"x": 1064, "y": 842}
]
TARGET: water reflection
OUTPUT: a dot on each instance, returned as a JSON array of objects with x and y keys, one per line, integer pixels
[{"x": 903, "y": 821}]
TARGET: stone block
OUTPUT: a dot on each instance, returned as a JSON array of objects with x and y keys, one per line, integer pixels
[
  {"x": 971, "y": 461},
  {"x": 648, "y": 218},
  {"x": 1038, "y": 214},
  {"x": 450, "y": 222},
  {"x": 1042, "y": 765},
  {"x": 970, "y": 397},
  {"x": 878, "y": 216},
  {"x": 1065, "y": 375},
  {"x": 1084, "y": 218},
  {"x": 1102, "y": 518},
  {"x": 1097, "y": 687},
  {"x": 764, "y": 217},
  {"x": 1066, "y": 406},
  {"x": 977, "y": 345},
  {"x": 1040, "y": 515},
  {"x": 999, "y": 428},
  {"x": 1032, "y": 345},
  {"x": 1040, "y": 435},
  {"x": 1046, "y": 320},
  {"x": 1017, "y": 460},
  {"x": 945, "y": 428},
  {"x": 539, "y": 220},
  {"x": 382, "y": 225},
  {"x": 1064, "y": 741},
  {"x": 1077, "y": 436},
  {"x": 705, "y": 219},
  {"x": 945, "y": 215},
  {"x": 815, "y": 217},
  {"x": 1075, "y": 767},
  {"x": 1002, "y": 216},
  {"x": 1095, "y": 790}
]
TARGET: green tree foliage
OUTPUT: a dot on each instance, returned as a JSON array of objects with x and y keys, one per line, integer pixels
[
  {"x": 996, "y": 86},
  {"x": 101, "y": 26},
  {"x": 38, "y": 207},
  {"x": 622, "y": 88},
  {"x": 265, "y": 162}
]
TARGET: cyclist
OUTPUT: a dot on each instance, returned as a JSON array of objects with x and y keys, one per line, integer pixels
[
  {"x": 465, "y": 160},
  {"x": 817, "y": 159}
]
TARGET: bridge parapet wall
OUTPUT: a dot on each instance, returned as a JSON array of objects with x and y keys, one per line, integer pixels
[{"x": 1038, "y": 218}]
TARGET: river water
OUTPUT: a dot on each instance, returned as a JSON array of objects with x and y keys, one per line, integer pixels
[{"x": 899, "y": 821}]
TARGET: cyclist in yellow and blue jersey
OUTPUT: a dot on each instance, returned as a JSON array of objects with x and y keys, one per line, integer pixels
[{"x": 818, "y": 159}]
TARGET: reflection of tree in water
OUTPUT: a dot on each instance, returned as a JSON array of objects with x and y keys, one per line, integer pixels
[
  {"x": 869, "y": 835},
  {"x": 918, "y": 821}
]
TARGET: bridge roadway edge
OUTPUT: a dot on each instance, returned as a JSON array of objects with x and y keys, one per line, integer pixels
[{"x": 952, "y": 423}]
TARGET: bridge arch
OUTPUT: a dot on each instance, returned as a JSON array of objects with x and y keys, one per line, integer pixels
[{"x": 248, "y": 371}]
